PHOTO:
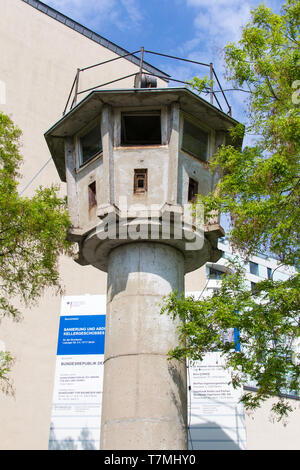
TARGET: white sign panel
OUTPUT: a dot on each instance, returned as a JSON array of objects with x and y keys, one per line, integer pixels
[
  {"x": 216, "y": 418},
  {"x": 77, "y": 398}
]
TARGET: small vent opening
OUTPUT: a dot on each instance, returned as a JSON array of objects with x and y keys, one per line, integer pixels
[
  {"x": 193, "y": 190},
  {"x": 140, "y": 184},
  {"x": 92, "y": 195}
]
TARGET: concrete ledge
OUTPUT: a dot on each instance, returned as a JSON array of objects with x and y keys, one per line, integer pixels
[{"x": 169, "y": 226}]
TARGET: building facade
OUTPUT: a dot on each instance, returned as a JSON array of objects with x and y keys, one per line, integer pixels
[{"x": 41, "y": 51}]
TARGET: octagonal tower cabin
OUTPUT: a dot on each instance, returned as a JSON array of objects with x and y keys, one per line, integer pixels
[{"x": 133, "y": 159}]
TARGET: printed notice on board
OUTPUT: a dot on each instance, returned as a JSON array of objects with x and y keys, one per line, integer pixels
[
  {"x": 216, "y": 418},
  {"x": 77, "y": 397}
]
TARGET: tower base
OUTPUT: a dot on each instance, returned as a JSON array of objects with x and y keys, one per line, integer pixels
[{"x": 144, "y": 393}]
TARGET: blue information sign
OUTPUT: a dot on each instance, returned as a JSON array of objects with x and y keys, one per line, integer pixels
[{"x": 81, "y": 334}]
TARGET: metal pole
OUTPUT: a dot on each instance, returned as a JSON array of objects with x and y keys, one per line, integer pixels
[
  {"x": 70, "y": 94},
  {"x": 107, "y": 83},
  {"x": 141, "y": 67},
  {"x": 178, "y": 58},
  {"x": 76, "y": 87},
  {"x": 224, "y": 96},
  {"x": 110, "y": 60},
  {"x": 211, "y": 83}
]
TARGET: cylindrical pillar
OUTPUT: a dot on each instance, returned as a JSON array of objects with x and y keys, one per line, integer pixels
[{"x": 144, "y": 393}]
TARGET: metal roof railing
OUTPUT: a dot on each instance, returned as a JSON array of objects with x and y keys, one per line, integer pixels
[{"x": 75, "y": 91}]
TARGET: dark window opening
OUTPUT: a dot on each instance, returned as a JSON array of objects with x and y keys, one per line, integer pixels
[
  {"x": 140, "y": 129},
  {"x": 253, "y": 268},
  {"x": 92, "y": 195},
  {"x": 253, "y": 284},
  {"x": 90, "y": 144},
  {"x": 140, "y": 185},
  {"x": 193, "y": 190},
  {"x": 270, "y": 274},
  {"x": 215, "y": 273},
  {"x": 194, "y": 140}
]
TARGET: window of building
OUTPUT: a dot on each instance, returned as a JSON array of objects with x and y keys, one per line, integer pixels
[
  {"x": 214, "y": 273},
  {"x": 141, "y": 128},
  {"x": 193, "y": 190},
  {"x": 253, "y": 284},
  {"x": 90, "y": 144},
  {"x": 269, "y": 270},
  {"x": 253, "y": 268},
  {"x": 194, "y": 140},
  {"x": 140, "y": 184}
]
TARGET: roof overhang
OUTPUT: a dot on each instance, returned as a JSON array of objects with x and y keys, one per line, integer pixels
[{"x": 91, "y": 106}]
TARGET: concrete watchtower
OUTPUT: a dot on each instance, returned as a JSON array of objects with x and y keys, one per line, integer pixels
[{"x": 133, "y": 160}]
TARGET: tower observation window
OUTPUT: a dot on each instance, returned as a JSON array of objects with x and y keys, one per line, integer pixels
[
  {"x": 141, "y": 128},
  {"x": 194, "y": 140},
  {"x": 90, "y": 144}
]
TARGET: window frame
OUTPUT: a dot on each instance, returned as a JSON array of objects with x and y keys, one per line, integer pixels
[
  {"x": 136, "y": 189},
  {"x": 254, "y": 265},
  {"x": 210, "y": 135},
  {"x": 216, "y": 275},
  {"x": 140, "y": 112},
  {"x": 221, "y": 270},
  {"x": 85, "y": 130},
  {"x": 269, "y": 273}
]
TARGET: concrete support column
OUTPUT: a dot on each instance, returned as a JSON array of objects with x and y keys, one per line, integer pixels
[
  {"x": 173, "y": 154},
  {"x": 107, "y": 189},
  {"x": 144, "y": 394},
  {"x": 73, "y": 202}
]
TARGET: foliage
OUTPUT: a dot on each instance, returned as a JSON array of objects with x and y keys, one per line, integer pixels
[
  {"x": 267, "y": 322},
  {"x": 200, "y": 84},
  {"x": 259, "y": 189},
  {"x": 32, "y": 235},
  {"x": 6, "y": 363}
]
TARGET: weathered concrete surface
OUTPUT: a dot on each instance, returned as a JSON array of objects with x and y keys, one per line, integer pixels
[{"x": 144, "y": 394}]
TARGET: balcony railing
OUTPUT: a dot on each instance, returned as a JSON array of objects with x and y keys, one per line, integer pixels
[{"x": 75, "y": 91}]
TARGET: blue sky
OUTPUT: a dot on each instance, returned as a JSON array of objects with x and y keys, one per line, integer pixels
[{"x": 193, "y": 29}]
